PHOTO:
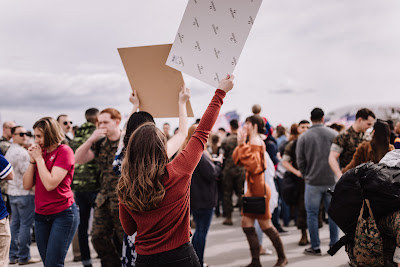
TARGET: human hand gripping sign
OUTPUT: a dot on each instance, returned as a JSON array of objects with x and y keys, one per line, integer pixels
[
  {"x": 184, "y": 95},
  {"x": 226, "y": 84},
  {"x": 134, "y": 99}
]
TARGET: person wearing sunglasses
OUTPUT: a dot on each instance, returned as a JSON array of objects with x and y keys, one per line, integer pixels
[
  {"x": 66, "y": 125},
  {"x": 22, "y": 201}
]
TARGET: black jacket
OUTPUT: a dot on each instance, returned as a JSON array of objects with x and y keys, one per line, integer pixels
[{"x": 203, "y": 190}]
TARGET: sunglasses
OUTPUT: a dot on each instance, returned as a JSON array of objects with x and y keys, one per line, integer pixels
[
  {"x": 66, "y": 122},
  {"x": 22, "y": 134}
]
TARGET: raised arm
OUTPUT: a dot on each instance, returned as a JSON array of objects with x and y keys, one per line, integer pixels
[
  {"x": 188, "y": 159},
  {"x": 84, "y": 154},
  {"x": 177, "y": 140}
]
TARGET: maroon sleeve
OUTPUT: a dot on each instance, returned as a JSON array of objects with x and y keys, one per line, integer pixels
[
  {"x": 187, "y": 160},
  {"x": 127, "y": 222}
]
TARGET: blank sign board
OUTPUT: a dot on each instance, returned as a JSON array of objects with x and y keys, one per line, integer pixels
[
  {"x": 211, "y": 38},
  {"x": 157, "y": 85}
]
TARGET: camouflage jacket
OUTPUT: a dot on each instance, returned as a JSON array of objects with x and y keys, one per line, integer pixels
[
  {"x": 346, "y": 144},
  {"x": 4, "y": 145},
  {"x": 228, "y": 145},
  {"x": 86, "y": 176},
  {"x": 104, "y": 151}
]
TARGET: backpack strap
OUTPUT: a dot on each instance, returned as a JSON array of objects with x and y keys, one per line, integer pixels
[{"x": 346, "y": 239}]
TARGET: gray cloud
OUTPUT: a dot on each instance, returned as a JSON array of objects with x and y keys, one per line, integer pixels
[
  {"x": 43, "y": 91},
  {"x": 300, "y": 54}
]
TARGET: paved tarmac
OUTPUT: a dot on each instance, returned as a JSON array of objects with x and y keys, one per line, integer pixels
[{"x": 227, "y": 247}]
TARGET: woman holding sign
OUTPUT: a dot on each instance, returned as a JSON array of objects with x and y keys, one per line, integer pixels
[
  {"x": 154, "y": 193},
  {"x": 135, "y": 120},
  {"x": 251, "y": 155}
]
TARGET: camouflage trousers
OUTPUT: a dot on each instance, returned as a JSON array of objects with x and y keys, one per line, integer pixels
[
  {"x": 389, "y": 228},
  {"x": 107, "y": 233},
  {"x": 233, "y": 182}
]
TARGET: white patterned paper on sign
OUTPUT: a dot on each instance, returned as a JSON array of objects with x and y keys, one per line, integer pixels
[{"x": 211, "y": 37}]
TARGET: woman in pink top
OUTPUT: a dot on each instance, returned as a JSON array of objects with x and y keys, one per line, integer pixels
[
  {"x": 154, "y": 193},
  {"x": 51, "y": 170}
]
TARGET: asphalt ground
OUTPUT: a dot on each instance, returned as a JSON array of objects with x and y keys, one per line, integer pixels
[{"x": 227, "y": 247}]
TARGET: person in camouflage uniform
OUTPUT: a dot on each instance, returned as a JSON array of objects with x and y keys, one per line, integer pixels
[
  {"x": 234, "y": 175},
  {"x": 85, "y": 184},
  {"x": 345, "y": 144},
  {"x": 5, "y": 139},
  {"x": 107, "y": 232}
]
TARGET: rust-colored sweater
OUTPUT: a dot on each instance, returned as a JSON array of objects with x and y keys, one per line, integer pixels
[
  {"x": 167, "y": 227},
  {"x": 252, "y": 158},
  {"x": 364, "y": 153}
]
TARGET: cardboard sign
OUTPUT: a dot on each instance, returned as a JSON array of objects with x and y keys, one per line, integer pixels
[
  {"x": 157, "y": 85},
  {"x": 211, "y": 37}
]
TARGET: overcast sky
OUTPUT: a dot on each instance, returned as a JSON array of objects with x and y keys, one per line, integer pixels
[{"x": 61, "y": 56}]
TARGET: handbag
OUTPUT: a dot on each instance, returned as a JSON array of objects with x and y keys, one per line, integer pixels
[
  {"x": 368, "y": 244},
  {"x": 256, "y": 205}
]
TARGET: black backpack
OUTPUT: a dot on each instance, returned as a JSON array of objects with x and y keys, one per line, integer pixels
[{"x": 378, "y": 183}]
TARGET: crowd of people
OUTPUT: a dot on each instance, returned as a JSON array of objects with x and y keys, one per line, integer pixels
[{"x": 144, "y": 185}]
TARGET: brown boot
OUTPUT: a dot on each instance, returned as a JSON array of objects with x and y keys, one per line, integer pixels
[
  {"x": 252, "y": 238},
  {"x": 228, "y": 220},
  {"x": 304, "y": 239},
  {"x": 273, "y": 234}
]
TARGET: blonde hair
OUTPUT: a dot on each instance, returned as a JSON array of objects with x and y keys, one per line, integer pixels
[{"x": 52, "y": 132}]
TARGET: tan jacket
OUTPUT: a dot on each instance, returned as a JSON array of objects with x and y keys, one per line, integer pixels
[{"x": 363, "y": 154}]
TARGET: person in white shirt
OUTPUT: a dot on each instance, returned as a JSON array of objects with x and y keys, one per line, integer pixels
[{"x": 22, "y": 201}]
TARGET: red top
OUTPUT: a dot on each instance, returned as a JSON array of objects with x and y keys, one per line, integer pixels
[
  {"x": 60, "y": 198},
  {"x": 167, "y": 227}
]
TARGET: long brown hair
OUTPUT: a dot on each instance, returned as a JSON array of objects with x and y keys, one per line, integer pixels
[
  {"x": 381, "y": 139},
  {"x": 141, "y": 186},
  {"x": 52, "y": 132}
]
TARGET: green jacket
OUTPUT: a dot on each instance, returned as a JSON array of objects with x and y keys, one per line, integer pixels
[{"x": 86, "y": 176}]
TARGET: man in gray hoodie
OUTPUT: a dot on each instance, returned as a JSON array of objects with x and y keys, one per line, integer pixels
[{"x": 312, "y": 152}]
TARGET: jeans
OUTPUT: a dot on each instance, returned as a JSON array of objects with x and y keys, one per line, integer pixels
[
  {"x": 54, "y": 234},
  {"x": 259, "y": 232},
  {"x": 183, "y": 256},
  {"x": 202, "y": 218},
  {"x": 312, "y": 200},
  {"x": 85, "y": 202},
  {"x": 282, "y": 208},
  {"x": 23, "y": 212}
]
